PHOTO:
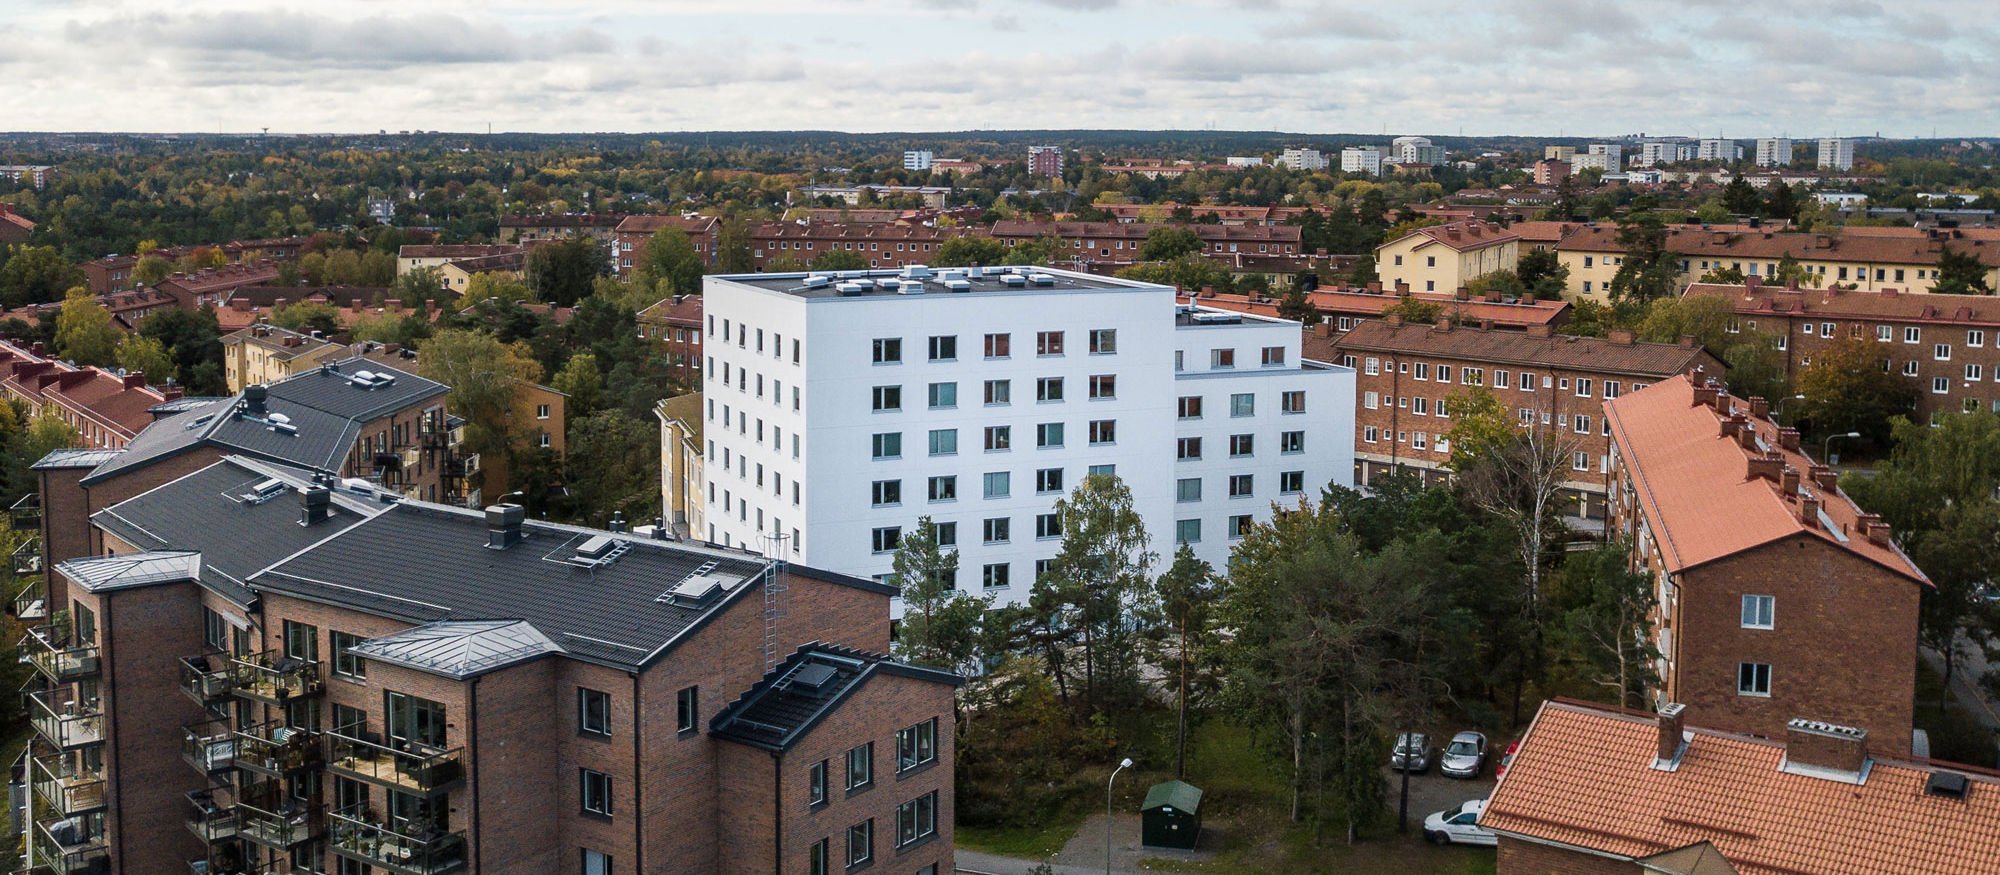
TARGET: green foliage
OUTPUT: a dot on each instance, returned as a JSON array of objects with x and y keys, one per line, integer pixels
[
  {"x": 1706, "y": 318},
  {"x": 1297, "y": 305},
  {"x": 733, "y": 250},
  {"x": 1649, "y": 271},
  {"x": 1184, "y": 640},
  {"x": 1589, "y": 318},
  {"x": 494, "y": 286},
  {"x": 1602, "y": 637},
  {"x": 563, "y": 272},
  {"x": 43, "y": 435},
  {"x": 405, "y": 329},
  {"x": 84, "y": 333},
  {"x": 1543, "y": 273},
  {"x": 483, "y": 374},
  {"x": 194, "y": 340},
  {"x": 1168, "y": 242},
  {"x": 1363, "y": 272},
  {"x": 420, "y": 285},
  {"x": 612, "y": 465},
  {"x": 1415, "y": 311},
  {"x": 839, "y": 259},
  {"x": 670, "y": 258},
  {"x": 1741, "y": 198},
  {"x": 941, "y": 625},
  {"x": 967, "y": 251},
  {"x": 1722, "y": 276},
  {"x": 36, "y": 275},
  {"x": 308, "y": 316},
  {"x": 150, "y": 269},
  {"x": 582, "y": 382},
  {"x": 141, "y": 354},
  {"x": 1188, "y": 273},
  {"x": 1960, "y": 273},
  {"x": 1848, "y": 388},
  {"x": 1097, "y": 584}
]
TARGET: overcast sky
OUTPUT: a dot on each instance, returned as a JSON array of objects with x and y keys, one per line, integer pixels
[{"x": 1538, "y": 67}]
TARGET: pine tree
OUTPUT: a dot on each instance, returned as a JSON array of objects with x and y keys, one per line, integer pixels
[{"x": 1960, "y": 273}]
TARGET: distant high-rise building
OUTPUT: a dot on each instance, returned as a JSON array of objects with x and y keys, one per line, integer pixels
[
  {"x": 1361, "y": 160},
  {"x": 1558, "y": 153},
  {"x": 918, "y": 159},
  {"x": 1658, "y": 152},
  {"x": 1774, "y": 152},
  {"x": 1550, "y": 172},
  {"x": 1836, "y": 153},
  {"x": 1244, "y": 160},
  {"x": 1719, "y": 150},
  {"x": 1302, "y": 159},
  {"x": 1415, "y": 150},
  {"x": 1045, "y": 161}
]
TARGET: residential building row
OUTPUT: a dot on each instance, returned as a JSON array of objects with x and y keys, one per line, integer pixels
[
  {"x": 14, "y": 227},
  {"x": 106, "y": 408},
  {"x": 1340, "y": 309},
  {"x": 1444, "y": 258},
  {"x": 674, "y": 325}
]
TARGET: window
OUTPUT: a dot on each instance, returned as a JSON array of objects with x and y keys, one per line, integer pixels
[
  {"x": 999, "y": 438},
  {"x": 947, "y": 533},
  {"x": 1291, "y": 482},
  {"x": 593, "y": 711},
  {"x": 888, "y": 445},
  {"x": 1240, "y": 485},
  {"x": 1500, "y": 380},
  {"x": 944, "y": 348},
  {"x": 1941, "y": 351},
  {"x": 1974, "y": 372},
  {"x": 594, "y": 862},
  {"x": 883, "y": 492},
  {"x": 1582, "y": 424},
  {"x": 861, "y": 766},
  {"x": 1753, "y": 679},
  {"x": 998, "y": 346},
  {"x": 1274, "y": 356},
  {"x": 1372, "y": 366},
  {"x": 1187, "y": 489},
  {"x": 1444, "y": 373},
  {"x": 994, "y": 576},
  {"x": 596, "y": 792},
  {"x": 999, "y": 392},
  {"x": 1583, "y": 387},
  {"x": 1048, "y": 343},
  {"x": 1103, "y": 341},
  {"x": 1369, "y": 434},
  {"x": 916, "y": 745},
  {"x": 687, "y": 709},
  {"x": 1422, "y": 372},
  {"x": 1101, "y": 471},
  {"x": 888, "y": 350},
  {"x": 1291, "y": 442},
  {"x": 1049, "y": 389},
  {"x": 1757, "y": 611},
  {"x": 997, "y": 484},
  {"x": 888, "y": 399},
  {"x": 1048, "y": 480},
  {"x": 916, "y": 819},
  {"x": 1239, "y": 526},
  {"x": 1420, "y": 440},
  {"x": 1187, "y": 531},
  {"x": 1611, "y": 388},
  {"x": 345, "y": 662},
  {"x": 1472, "y": 376},
  {"x": 1103, "y": 431},
  {"x": 1190, "y": 407},
  {"x": 301, "y": 640},
  {"x": 1975, "y": 338},
  {"x": 860, "y": 843},
  {"x": 1940, "y": 385},
  {"x": 1370, "y": 400},
  {"x": 1048, "y": 525},
  {"x": 816, "y": 860},
  {"x": 1293, "y": 402},
  {"x": 943, "y": 396},
  {"x": 541, "y": 411},
  {"x": 1241, "y": 445},
  {"x": 944, "y": 488},
  {"x": 1103, "y": 387},
  {"x": 1189, "y": 449},
  {"x": 1243, "y": 404},
  {"x": 1049, "y": 434},
  {"x": 215, "y": 629},
  {"x": 816, "y": 784},
  {"x": 886, "y": 538},
  {"x": 1913, "y": 334},
  {"x": 1221, "y": 359}
]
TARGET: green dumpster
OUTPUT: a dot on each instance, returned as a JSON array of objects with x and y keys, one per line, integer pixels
[{"x": 1171, "y": 817}]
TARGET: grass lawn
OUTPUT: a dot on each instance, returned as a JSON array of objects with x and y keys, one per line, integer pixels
[{"x": 1032, "y": 843}]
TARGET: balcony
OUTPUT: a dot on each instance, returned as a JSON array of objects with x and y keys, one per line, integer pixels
[
  {"x": 26, "y": 513},
  {"x": 431, "y": 852},
  {"x": 64, "y": 719},
  {"x": 28, "y": 557},
  {"x": 32, "y": 602},
  {"x": 65, "y": 788},
  {"x": 274, "y": 678},
  {"x": 210, "y": 821},
  {"x": 282, "y": 826},
  {"x": 277, "y": 750},
  {"x": 412, "y": 768},
  {"x": 68, "y": 847},
  {"x": 207, "y": 678},
  {"x": 57, "y": 657},
  {"x": 210, "y": 747}
]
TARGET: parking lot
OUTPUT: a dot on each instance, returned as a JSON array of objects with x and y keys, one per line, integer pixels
[{"x": 1434, "y": 792}]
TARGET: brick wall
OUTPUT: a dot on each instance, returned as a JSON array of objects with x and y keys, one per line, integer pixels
[
  {"x": 511, "y": 773},
  {"x": 143, "y": 633}
]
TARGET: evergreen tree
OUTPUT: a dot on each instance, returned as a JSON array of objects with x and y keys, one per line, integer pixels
[
  {"x": 941, "y": 625},
  {"x": 1960, "y": 273}
]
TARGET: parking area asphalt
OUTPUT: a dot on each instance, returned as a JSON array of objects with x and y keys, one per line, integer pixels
[{"x": 1432, "y": 792}]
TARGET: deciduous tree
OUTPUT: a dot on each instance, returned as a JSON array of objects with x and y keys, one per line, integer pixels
[{"x": 84, "y": 333}]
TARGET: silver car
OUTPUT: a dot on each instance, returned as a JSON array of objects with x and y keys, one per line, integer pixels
[
  {"x": 1413, "y": 753},
  {"x": 1465, "y": 756}
]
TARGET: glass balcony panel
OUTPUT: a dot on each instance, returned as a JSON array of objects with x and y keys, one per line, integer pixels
[
  {"x": 282, "y": 825},
  {"x": 65, "y": 787},
  {"x": 69, "y": 846},
  {"x": 276, "y": 678},
  {"x": 31, "y": 603},
  {"x": 404, "y": 849},
  {"x": 57, "y": 656},
  {"x": 64, "y": 719},
  {"x": 210, "y": 820},
  {"x": 208, "y": 677},
  {"x": 276, "y": 749},
  {"x": 209, "y": 747},
  {"x": 410, "y": 767}
]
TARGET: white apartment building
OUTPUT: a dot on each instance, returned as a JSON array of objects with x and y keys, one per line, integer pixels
[
  {"x": 1302, "y": 159},
  {"x": 1361, "y": 160},
  {"x": 841, "y": 409},
  {"x": 1415, "y": 150},
  {"x": 1244, "y": 161},
  {"x": 918, "y": 159},
  {"x": 1836, "y": 153},
  {"x": 1719, "y": 150},
  {"x": 1774, "y": 152},
  {"x": 1658, "y": 152}
]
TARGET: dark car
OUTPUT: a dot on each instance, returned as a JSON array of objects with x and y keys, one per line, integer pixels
[{"x": 1413, "y": 753}]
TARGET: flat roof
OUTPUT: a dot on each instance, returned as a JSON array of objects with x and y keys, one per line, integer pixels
[{"x": 888, "y": 283}]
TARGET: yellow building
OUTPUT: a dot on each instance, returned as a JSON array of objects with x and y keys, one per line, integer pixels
[
  {"x": 267, "y": 354},
  {"x": 1443, "y": 258},
  {"x": 681, "y": 494},
  {"x": 1862, "y": 259}
]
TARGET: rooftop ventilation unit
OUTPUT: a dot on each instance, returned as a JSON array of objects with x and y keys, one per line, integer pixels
[
  {"x": 886, "y": 283},
  {"x": 597, "y": 547},
  {"x": 976, "y": 272},
  {"x": 264, "y": 491},
  {"x": 818, "y": 281},
  {"x": 284, "y": 427},
  {"x": 850, "y": 289},
  {"x": 916, "y": 272},
  {"x": 958, "y": 285},
  {"x": 910, "y": 287},
  {"x": 1041, "y": 279},
  {"x": 1217, "y": 318},
  {"x": 1950, "y": 785},
  {"x": 1014, "y": 281},
  {"x": 370, "y": 380}
]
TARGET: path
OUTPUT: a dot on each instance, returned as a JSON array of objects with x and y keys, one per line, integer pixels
[{"x": 1083, "y": 854}]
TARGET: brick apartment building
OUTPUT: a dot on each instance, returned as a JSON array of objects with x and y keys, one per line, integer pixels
[
  {"x": 539, "y": 414},
  {"x": 417, "y": 256},
  {"x": 1948, "y": 346},
  {"x": 107, "y": 409},
  {"x": 14, "y": 227},
  {"x": 882, "y": 245},
  {"x": 1605, "y": 791},
  {"x": 674, "y": 324},
  {"x": 1776, "y": 596},
  {"x": 1341, "y": 309},
  {"x": 212, "y": 286},
  {"x": 559, "y": 226},
  {"x": 1120, "y": 242},
  {"x": 114, "y": 272},
  {"x": 1406, "y": 372},
  {"x": 1869, "y": 262},
  {"x": 629, "y": 243},
  {"x": 260, "y": 673}
]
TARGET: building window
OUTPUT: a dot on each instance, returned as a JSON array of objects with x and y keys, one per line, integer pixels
[
  {"x": 596, "y": 792},
  {"x": 1103, "y": 341},
  {"x": 1974, "y": 373},
  {"x": 1048, "y": 480},
  {"x": 998, "y": 484},
  {"x": 1753, "y": 679},
  {"x": 994, "y": 576},
  {"x": 999, "y": 392},
  {"x": 1241, "y": 445},
  {"x": 1240, "y": 485},
  {"x": 1975, "y": 338},
  {"x": 1370, "y": 434},
  {"x": 1939, "y": 385},
  {"x": 1941, "y": 351},
  {"x": 1371, "y": 366},
  {"x": 916, "y": 819},
  {"x": 999, "y": 438},
  {"x": 1187, "y": 531},
  {"x": 1103, "y": 431},
  {"x": 860, "y": 843},
  {"x": 886, "y": 539},
  {"x": 1239, "y": 526},
  {"x": 1048, "y": 343},
  {"x": 1049, "y": 389},
  {"x": 541, "y": 411},
  {"x": 301, "y": 640},
  {"x": 888, "y": 399},
  {"x": 1291, "y": 482},
  {"x": 998, "y": 346},
  {"x": 1187, "y": 489},
  {"x": 1758, "y": 610},
  {"x": 916, "y": 745},
  {"x": 1048, "y": 525},
  {"x": 885, "y": 492},
  {"x": 1049, "y": 434},
  {"x": 1189, "y": 449},
  {"x": 1243, "y": 404},
  {"x": 1103, "y": 387},
  {"x": 214, "y": 629},
  {"x": 944, "y": 442},
  {"x": 1221, "y": 359},
  {"x": 593, "y": 712},
  {"x": 345, "y": 662},
  {"x": 1190, "y": 407},
  {"x": 816, "y": 784},
  {"x": 888, "y": 445},
  {"x": 943, "y": 396},
  {"x": 594, "y": 862},
  {"x": 1292, "y": 402},
  {"x": 687, "y": 709},
  {"x": 944, "y": 348},
  {"x": 997, "y": 530},
  {"x": 1913, "y": 334},
  {"x": 944, "y": 488},
  {"x": 816, "y": 862},
  {"x": 860, "y": 766},
  {"x": 888, "y": 350},
  {"x": 947, "y": 533},
  {"x": 1274, "y": 356}
]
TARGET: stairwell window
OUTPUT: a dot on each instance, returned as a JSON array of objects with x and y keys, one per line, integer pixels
[
  {"x": 687, "y": 710},
  {"x": 596, "y": 792}
]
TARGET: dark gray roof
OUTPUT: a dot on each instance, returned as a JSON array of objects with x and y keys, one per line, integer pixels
[
  {"x": 183, "y": 403},
  {"x": 205, "y": 511},
  {"x": 460, "y": 650},
  {"x": 793, "y": 697},
  {"x": 75, "y": 458},
  {"x": 106, "y": 573},
  {"x": 335, "y": 388}
]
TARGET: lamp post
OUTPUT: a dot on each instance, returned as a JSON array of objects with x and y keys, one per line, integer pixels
[
  {"x": 1826, "y": 449},
  {"x": 1122, "y": 766},
  {"x": 1778, "y": 412}
]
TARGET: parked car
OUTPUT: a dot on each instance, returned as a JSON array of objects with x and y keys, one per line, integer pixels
[
  {"x": 1459, "y": 826},
  {"x": 1465, "y": 756},
  {"x": 1506, "y": 759},
  {"x": 1413, "y": 753}
]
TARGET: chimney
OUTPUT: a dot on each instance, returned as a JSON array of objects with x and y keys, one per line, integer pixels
[
  {"x": 1621, "y": 336},
  {"x": 1704, "y": 395},
  {"x": 1759, "y": 408},
  {"x": 1746, "y": 434},
  {"x": 253, "y": 399},
  {"x": 1687, "y": 341},
  {"x": 172, "y": 392},
  {"x": 316, "y": 505},
  {"x": 1486, "y": 325},
  {"x": 1770, "y": 467},
  {"x": 37, "y": 349},
  {"x": 1402, "y": 289},
  {"x": 1752, "y": 282},
  {"x": 1728, "y": 426},
  {"x": 1323, "y": 329},
  {"x": 1817, "y": 744},
  {"x": 1543, "y": 330},
  {"x": 1789, "y": 439},
  {"x": 1375, "y": 287},
  {"x": 617, "y": 523},
  {"x": 1823, "y": 476},
  {"x": 393, "y": 305},
  {"x": 1809, "y": 509},
  {"x": 1443, "y": 324},
  {"x": 1788, "y": 482},
  {"x": 135, "y": 380},
  {"x": 279, "y": 303},
  {"x": 1463, "y": 294},
  {"x": 1871, "y": 524},
  {"x": 503, "y": 525},
  {"x": 1673, "y": 739}
]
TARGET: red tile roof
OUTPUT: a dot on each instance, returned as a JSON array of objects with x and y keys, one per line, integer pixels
[
  {"x": 692, "y": 225},
  {"x": 684, "y": 311},
  {"x": 1363, "y": 303},
  {"x": 1138, "y": 231},
  {"x": 1773, "y": 245},
  {"x": 1655, "y": 361},
  {"x": 455, "y": 251},
  {"x": 1584, "y": 777},
  {"x": 1977, "y": 311},
  {"x": 1461, "y": 236}
]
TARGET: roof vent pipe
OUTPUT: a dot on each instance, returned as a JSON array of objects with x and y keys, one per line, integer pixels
[
  {"x": 503, "y": 525},
  {"x": 253, "y": 399}
]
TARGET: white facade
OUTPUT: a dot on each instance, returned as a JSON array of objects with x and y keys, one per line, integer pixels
[
  {"x": 1355, "y": 160},
  {"x": 1658, "y": 152},
  {"x": 1302, "y": 159},
  {"x": 835, "y": 421},
  {"x": 1244, "y": 161},
  {"x": 918, "y": 159},
  {"x": 1614, "y": 154},
  {"x": 1415, "y": 150},
  {"x": 1599, "y": 160},
  {"x": 1836, "y": 153},
  {"x": 1774, "y": 152},
  {"x": 1720, "y": 150}
]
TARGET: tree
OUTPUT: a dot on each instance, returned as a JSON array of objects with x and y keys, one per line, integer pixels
[
  {"x": 1722, "y": 276},
  {"x": 1960, "y": 273},
  {"x": 1756, "y": 366},
  {"x": 671, "y": 260},
  {"x": 1543, "y": 273},
  {"x": 1097, "y": 584},
  {"x": 1363, "y": 272},
  {"x": 968, "y": 251},
  {"x": 1649, "y": 270},
  {"x": 839, "y": 259},
  {"x": 150, "y": 269},
  {"x": 1740, "y": 197},
  {"x": 1187, "y": 594},
  {"x": 1849, "y": 387},
  {"x": 84, "y": 333},
  {"x": 44, "y": 434},
  {"x": 611, "y": 466},
  {"x": 144, "y": 355},
  {"x": 420, "y": 285},
  {"x": 1297, "y": 305},
  {"x": 733, "y": 250},
  {"x": 564, "y": 271},
  {"x": 1706, "y": 318},
  {"x": 36, "y": 275},
  {"x": 582, "y": 382},
  {"x": 483, "y": 373},
  {"x": 1783, "y": 203},
  {"x": 194, "y": 339},
  {"x": 308, "y": 316},
  {"x": 1188, "y": 273},
  {"x": 491, "y": 286},
  {"x": 1415, "y": 311},
  {"x": 1603, "y": 631},
  {"x": 1169, "y": 242},
  {"x": 1791, "y": 273},
  {"x": 941, "y": 624}
]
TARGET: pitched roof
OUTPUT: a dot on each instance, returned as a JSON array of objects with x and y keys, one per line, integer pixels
[
  {"x": 459, "y": 650},
  {"x": 107, "y": 573},
  {"x": 1597, "y": 354},
  {"x": 1584, "y": 777},
  {"x": 1460, "y": 236},
  {"x": 649, "y": 224},
  {"x": 1774, "y": 245},
  {"x": 684, "y": 310},
  {"x": 1694, "y": 486},
  {"x": 1173, "y": 794},
  {"x": 1139, "y": 230},
  {"x": 1973, "y": 311},
  {"x": 1362, "y": 302},
  {"x": 455, "y": 251},
  {"x": 684, "y": 409},
  {"x": 796, "y": 694},
  {"x": 74, "y": 457}
]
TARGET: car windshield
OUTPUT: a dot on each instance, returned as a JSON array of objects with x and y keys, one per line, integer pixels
[
  {"x": 1463, "y": 748},
  {"x": 1407, "y": 743},
  {"x": 1455, "y": 811}
]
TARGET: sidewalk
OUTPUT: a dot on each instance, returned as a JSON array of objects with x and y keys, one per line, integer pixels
[{"x": 1082, "y": 855}]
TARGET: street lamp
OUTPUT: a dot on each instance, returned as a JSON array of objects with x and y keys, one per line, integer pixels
[
  {"x": 1826, "y": 449},
  {"x": 1123, "y": 764},
  {"x": 1778, "y": 412}
]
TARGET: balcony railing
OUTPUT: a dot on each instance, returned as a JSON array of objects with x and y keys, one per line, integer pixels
[
  {"x": 207, "y": 678},
  {"x": 28, "y": 557},
  {"x": 68, "y": 847},
  {"x": 430, "y": 852},
  {"x": 210, "y": 821},
  {"x": 64, "y": 719},
  {"x": 56, "y": 656},
  {"x": 410, "y": 767},
  {"x": 66, "y": 788},
  {"x": 277, "y": 750},
  {"x": 210, "y": 747},
  {"x": 31, "y": 603},
  {"x": 27, "y": 512},
  {"x": 275, "y": 678},
  {"x": 294, "y": 824}
]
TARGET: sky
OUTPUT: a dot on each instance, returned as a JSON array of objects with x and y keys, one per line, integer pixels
[{"x": 1547, "y": 68}]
